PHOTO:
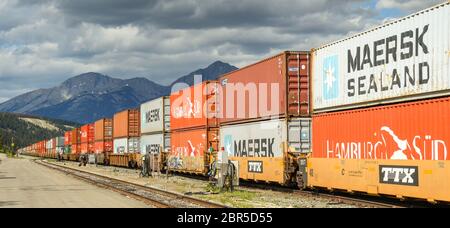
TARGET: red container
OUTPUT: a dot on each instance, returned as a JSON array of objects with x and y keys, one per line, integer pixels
[
  {"x": 68, "y": 138},
  {"x": 127, "y": 124},
  {"x": 42, "y": 147},
  {"x": 194, "y": 107},
  {"x": 103, "y": 130},
  {"x": 76, "y": 136},
  {"x": 87, "y": 148},
  {"x": 103, "y": 147},
  {"x": 76, "y": 149},
  {"x": 87, "y": 133},
  {"x": 188, "y": 149},
  {"x": 409, "y": 131},
  {"x": 269, "y": 88}
]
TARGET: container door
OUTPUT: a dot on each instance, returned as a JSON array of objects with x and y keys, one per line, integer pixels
[
  {"x": 167, "y": 144},
  {"x": 167, "y": 114},
  {"x": 299, "y": 135},
  {"x": 298, "y": 84}
]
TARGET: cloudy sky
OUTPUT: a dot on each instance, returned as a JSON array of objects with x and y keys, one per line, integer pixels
[{"x": 44, "y": 42}]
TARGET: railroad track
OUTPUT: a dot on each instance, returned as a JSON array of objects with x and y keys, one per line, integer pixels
[
  {"x": 359, "y": 200},
  {"x": 151, "y": 196},
  {"x": 364, "y": 201}
]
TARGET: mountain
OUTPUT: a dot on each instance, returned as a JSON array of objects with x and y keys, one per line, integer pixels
[
  {"x": 92, "y": 96},
  {"x": 212, "y": 72},
  {"x": 25, "y": 129}
]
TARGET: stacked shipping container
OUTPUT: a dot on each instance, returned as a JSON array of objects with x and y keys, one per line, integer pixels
[
  {"x": 103, "y": 136},
  {"x": 68, "y": 142},
  {"x": 54, "y": 146},
  {"x": 87, "y": 139},
  {"x": 194, "y": 128},
  {"x": 155, "y": 126},
  {"x": 396, "y": 149},
  {"x": 265, "y": 114},
  {"x": 76, "y": 141},
  {"x": 126, "y": 131}
]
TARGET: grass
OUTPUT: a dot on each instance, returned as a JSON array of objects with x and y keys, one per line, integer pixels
[{"x": 237, "y": 198}]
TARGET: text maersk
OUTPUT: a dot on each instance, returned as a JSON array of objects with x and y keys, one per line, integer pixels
[
  {"x": 254, "y": 148},
  {"x": 406, "y": 45}
]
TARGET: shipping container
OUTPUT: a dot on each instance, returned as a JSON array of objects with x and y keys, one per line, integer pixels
[
  {"x": 75, "y": 149},
  {"x": 76, "y": 136},
  {"x": 87, "y": 133},
  {"x": 87, "y": 148},
  {"x": 50, "y": 144},
  {"x": 399, "y": 150},
  {"x": 68, "y": 149},
  {"x": 103, "y": 147},
  {"x": 68, "y": 138},
  {"x": 127, "y": 124},
  {"x": 60, "y": 141},
  {"x": 266, "y": 150},
  {"x": 194, "y": 107},
  {"x": 103, "y": 130},
  {"x": 189, "y": 150},
  {"x": 403, "y": 60},
  {"x": 269, "y": 88},
  {"x": 155, "y": 116},
  {"x": 127, "y": 145},
  {"x": 41, "y": 147},
  {"x": 155, "y": 144}
]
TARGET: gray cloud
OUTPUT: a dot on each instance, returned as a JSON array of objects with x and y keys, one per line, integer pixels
[
  {"x": 44, "y": 42},
  {"x": 408, "y": 6}
]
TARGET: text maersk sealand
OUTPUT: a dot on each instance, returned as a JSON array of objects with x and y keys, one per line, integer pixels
[{"x": 382, "y": 52}]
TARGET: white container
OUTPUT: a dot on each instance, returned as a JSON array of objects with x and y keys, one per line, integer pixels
[
  {"x": 127, "y": 145},
  {"x": 120, "y": 146},
  {"x": 155, "y": 116},
  {"x": 49, "y": 144},
  {"x": 404, "y": 60},
  {"x": 266, "y": 138},
  {"x": 153, "y": 144},
  {"x": 60, "y": 141},
  {"x": 134, "y": 145}
]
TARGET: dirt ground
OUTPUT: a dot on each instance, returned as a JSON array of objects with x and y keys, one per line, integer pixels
[{"x": 241, "y": 198}]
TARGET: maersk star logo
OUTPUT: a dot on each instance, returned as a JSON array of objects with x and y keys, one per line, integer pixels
[
  {"x": 228, "y": 143},
  {"x": 331, "y": 77}
]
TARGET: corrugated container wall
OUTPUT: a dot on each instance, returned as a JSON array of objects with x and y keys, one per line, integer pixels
[
  {"x": 155, "y": 116},
  {"x": 194, "y": 107},
  {"x": 75, "y": 149},
  {"x": 103, "y": 147},
  {"x": 68, "y": 138},
  {"x": 127, "y": 124},
  {"x": 404, "y": 60},
  {"x": 60, "y": 141},
  {"x": 409, "y": 131},
  {"x": 76, "y": 136},
  {"x": 126, "y": 145},
  {"x": 87, "y": 133},
  {"x": 155, "y": 144},
  {"x": 272, "y": 87},
  {"x": 103, "y": 130},
  {"x": 189, "y": 148}
]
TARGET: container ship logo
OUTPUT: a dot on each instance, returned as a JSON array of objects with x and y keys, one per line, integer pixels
[
  {"x": 331, "y": 78},
  {"x": 188, "y": 109},
  {"x": 391, "y": 147}
]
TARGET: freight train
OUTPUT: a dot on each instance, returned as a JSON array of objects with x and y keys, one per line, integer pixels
[{"x": 369, "y": 113}]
